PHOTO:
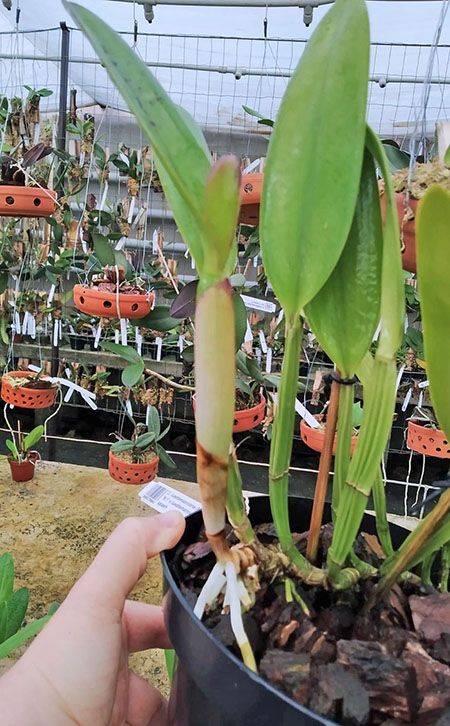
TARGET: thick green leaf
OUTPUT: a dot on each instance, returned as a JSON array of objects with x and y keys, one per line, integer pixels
[
  {"x": 240, "y": 319},
  {"x": 397, "y": 158},
  {"x": 345, "y": 313},
  {"x": 143, "y": 442},
  {"x": 122, "y": 445},
  {"x": 22, "y": 635},
  {"x": 222, "y": 203},
  {"x": 237, "y": 280},
  {"x": 433, "y": 268},
  {"x": 16, "y": 606},
  {"x": 158, "y": 319},
  {"x": 6, "y": 576},
  {"x": 3, "y": 620},
  {"x": 252, "y": 112},
  {"x": 12, "y": 447},
  {"x": 165, "y": 457},
  {"x": 314, "y": 158},
  {"x": 180, "y": 159},
  {"x": 153, "y": 421},
  {"x": 103, "y": 249},
  {"x": 132, "y": 374},
  {"x": 125, "y": 351},
  {"x": 33, "y": 437},
  {"x": 188, "y": 354}
]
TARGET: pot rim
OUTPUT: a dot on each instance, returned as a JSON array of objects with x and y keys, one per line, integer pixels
[{"x": 130, "y": 465}]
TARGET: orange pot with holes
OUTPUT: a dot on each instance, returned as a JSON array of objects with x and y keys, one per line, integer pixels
[
  {"x": 26, "y": 201},
  {"x": 424, "y": 440},
  {"x": 251, "y": 190},
  {"x": 247, "y": 419},
  {"x": 315, "y": 438},
  {"x": 127, "y": 473},
  {"x": 104, "y": 304},
  {"x": 407, "y": 229},
  {"x": 25, "y": 397}
]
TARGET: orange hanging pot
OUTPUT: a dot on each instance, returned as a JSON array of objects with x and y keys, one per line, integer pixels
[
  {"x": 128, "y": 473},
  {"x": 246, "y": 419},
  {"x": 315, "y": 438},
  {"x": 425, "y": 440},
  {"x": 18, "y": 201},
  {"x": 251, "y": 190},
  {"x": 104, "y": 304},
  {"x": 24, "y": 470},
  {"x": 40, "y": 394},
  {"x": 407, "y": 228}
]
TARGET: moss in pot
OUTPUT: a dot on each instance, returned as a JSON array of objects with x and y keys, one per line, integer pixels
[{"x": 327, "y": 256}]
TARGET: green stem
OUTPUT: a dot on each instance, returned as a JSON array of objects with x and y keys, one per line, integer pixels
[
  {"x": 379, "y": 500},
  {"x": 426, "y": 569},
  {"x": 375, "y": 428},
  {"x": 445, "y": 567},
  {"x": 235, "y": 503},
  {"x": 281, "y": 449},
  {"x": 343, "y": 446}
]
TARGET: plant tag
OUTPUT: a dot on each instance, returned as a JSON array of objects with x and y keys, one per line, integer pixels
[
  {"x": 116, "y": 336},
  {"x": 269, "y": 360},
  {"x": 82, "y": 158},
  {"x": 255, "y": 261},
  {"x": 97, "y": 336},
  {"x": 248, "y": 337},
  {"x": 419, "y": 405},
  {"x": 180, "y": 343},
  {"x": 376, "y": 335},
  {"x": 399, "y": 377},
  {"x": 37, "y": 133},
  {"x": 155, "y": 248},
  {"x": 424, "y": 384},
  {"x": 254, "y": 165},
  {"x": 51, "y": 294},
  {"x": 138, "y": 338},
  {"x": 407, "y": 399},
  {"x": 120, "y": 243},
  {"x": 103, "y": 200},
  {"x": 158, "y": 348},
  {"x": 258, "y": 355},
  {"x": 68, "y": 395},
  {"x": 163, "y": 498},
  {"x": 129, "y": 408},
  {"x": 123, "y": 331},
  {"x": 279, "y": 319},
  {"x": 262, "y": 339},
  {"x": 131, "y": 211},
  {"x": 26, "y": 315},
  {"x": 256, "y": 304},
  {"x": 16, "y": 286},
  {"x": 32, "y": 326},
  {"x": 55, "y": 333},
  {"x": 17, "y": 322},
  {"x": 406, "y": 323},
  {"x": 306, "y": 415},
  {"x": 192, "y": 263}
]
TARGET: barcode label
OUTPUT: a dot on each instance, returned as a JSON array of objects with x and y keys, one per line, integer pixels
[{"x": 163, "y": 498}]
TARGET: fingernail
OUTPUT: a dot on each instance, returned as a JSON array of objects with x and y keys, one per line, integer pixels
[{"x": 170, "y": 519}]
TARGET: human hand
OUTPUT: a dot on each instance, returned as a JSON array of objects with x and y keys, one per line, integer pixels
[{"x": 76, "y": 671}]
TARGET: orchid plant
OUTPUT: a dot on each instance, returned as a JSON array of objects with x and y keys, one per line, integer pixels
[{"x": 330, "y": 257}]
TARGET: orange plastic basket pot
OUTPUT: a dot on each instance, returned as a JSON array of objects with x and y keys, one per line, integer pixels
[
  {"x": 104, "y": 304},
  {"x": 251, "y": 190},
  {"x": 407, "y": 229},
  {"x": 26, "y": 201},
  {"x": 27, "y": 397},
  {"x": 314, "y": 438},
  {"x": 247, "y": 419},
  {"x": 127, "y": 473},
  {"x": 427, "y": 441}
]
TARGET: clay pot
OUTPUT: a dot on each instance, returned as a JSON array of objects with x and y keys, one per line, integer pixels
[
  {"x": 424, "y": 440},
  {"x": 26, "y": 201},
  {"x": 24, "y": 470},
  {"x": 251, "y": 190},
  {"x": 27, "y": 397},
  {"x": 407, "y": 229},
  {"x": 247, "y": 419},
  {"x": 104, "y": 304},
  {"x": 314, "y": 438},
  {"x": 126, "y": 473}
]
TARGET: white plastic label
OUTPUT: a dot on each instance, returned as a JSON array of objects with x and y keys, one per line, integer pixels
[
  {"x": 155, "y": 242},
  {"x": 51, "y": 293},
  {"x": 97, "y": 336},
  {"x": 130, "y": 213},
  {"x": 262, "y": 339},
  {"x": 158, "y": 348},
  {"x": 116, "y": 336},
  {"x": 376, "y": 335},
  {"x": 256, "y": 304},
  {"x": 163, "y": 498},
  {"x": 305, "y": 414},
  {"x": 248, "y": 337},
  {"x": 269, "y": 360},
  {"x": 407, "y": 399},
  {"x": 424, "y": 384},
  {"x": 123, "y": 331},
  {"x": 120, "y": 243},
  {"x": 103, "y": 200}
]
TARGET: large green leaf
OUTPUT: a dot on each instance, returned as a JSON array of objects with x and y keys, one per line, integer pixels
[
  {"x": 125, "y": 351},
  {"x": 433, "y": 268},
  {"x": 132, "y": 374},
  {"x": 180, "y": 158},
  {"x": 6, "y": 576},
  {"x": 346, "y": 311},
  {"x": 315, "y": 156},
  {"x": 103, "y": 249},
  {"x": 16, "y": 606},
  {"x": 153, "y": 421},
  {"x": 28, "y": 631},
  {"x": 240, "y": 319},
  {"x": 158, "y": 319},
  {"x": 143, "y": 442},
  {"x": 33, "y": 437}
]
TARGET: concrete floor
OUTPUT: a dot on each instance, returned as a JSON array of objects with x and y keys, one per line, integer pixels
[{"x": 54, "y": 525}]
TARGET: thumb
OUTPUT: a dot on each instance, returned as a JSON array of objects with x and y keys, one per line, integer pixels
[{"x": 122, "y": 560}]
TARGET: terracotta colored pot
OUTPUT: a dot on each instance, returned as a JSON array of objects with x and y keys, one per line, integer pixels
[
  {"x": 126, "y": 473},
  {"x": 251, "y": 190},
  {"x": 407, "y": 229},
  {"x": 27, "y": 397},
  {"x": 24, "y": 470},
  {"x": 427, "y": 441},
  {"x": 247, "y": 419},
  {"x": 26, "y": 201},
  {"x": 104, "y": 304},
  {"x": 314, "y": 438}
]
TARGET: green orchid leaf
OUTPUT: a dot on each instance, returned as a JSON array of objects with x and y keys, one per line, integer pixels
[
  {"x": 9, "y": 645},
  {"x": 143, "y": 442},
  {"x": 345, "y": 313},
  {"x": 252, "y": 112},
  {"x": 13, "y": 448},
  {"x": 132, "y": 374},
  {"x": 6, "y": 576},
  {"x": 315, "y": 156},
  {"x": 103, "y": 250},
  {"x": 222, "y": 203},
  {"x": 33, "y": 437},
  {"x": 165, "y": 457},
  {"x": 153, "y": 421},
  {"x": 125, "y": 351},
  {"x": 397, "y": 158},
  {"x": 122, "y": 445},
  {"x": 3, "y": 621},
  {"x": 433, "y": 268},
  {"x": 158, "y": 319},
  {"x": 181, "y": 160},
  {"x": 240, "y": 320},
  {"x": 16, "y": 606}
]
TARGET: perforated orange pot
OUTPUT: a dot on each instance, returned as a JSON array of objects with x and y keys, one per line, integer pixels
[
  {"x": 104, "y": 304},
  {"x": 26, "y": 201},
  {"x": 427, "y": 441},
  {"x": 407, "y": 229},
  {"x": 247, "y": 419},
  {"x": 127, "y": 473},
  {"x": 251, "y": 190},
  {"x": 314, "y": 438},
  {"x": 27, "y": 397}
]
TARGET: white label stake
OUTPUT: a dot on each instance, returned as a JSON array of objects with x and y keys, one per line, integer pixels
[{"x": 163, "y": 498}]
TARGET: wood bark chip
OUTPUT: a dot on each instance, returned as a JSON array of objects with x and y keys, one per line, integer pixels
[
  {"x": 433, "y": 678},
  {"x": 340, "y": 696},
  {"x": 431, "y": 615},
  {"x": 291, "y": 671}
]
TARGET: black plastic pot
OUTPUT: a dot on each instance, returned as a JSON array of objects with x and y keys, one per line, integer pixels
[{"x": 211, "y": 685}]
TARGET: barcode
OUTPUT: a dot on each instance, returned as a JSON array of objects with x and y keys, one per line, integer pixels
[{"x": 156, "y": 493}]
